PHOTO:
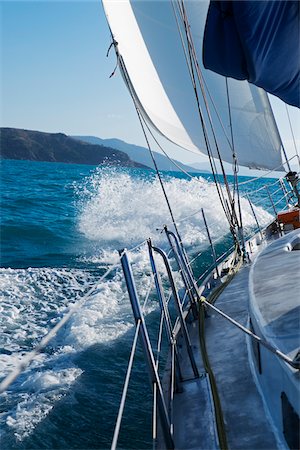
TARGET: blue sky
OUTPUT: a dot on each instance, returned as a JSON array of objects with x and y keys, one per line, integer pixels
[{"x": 55, "y": 75}]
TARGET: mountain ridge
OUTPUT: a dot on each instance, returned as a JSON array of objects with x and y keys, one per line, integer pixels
[
  {"x": 141, "y": 154},
  {"x": 17, "y": 143}
]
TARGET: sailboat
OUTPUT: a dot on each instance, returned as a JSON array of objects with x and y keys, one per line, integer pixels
[
  {"x": 231, "y": 377},
  {"x": 224, "y": 364}
]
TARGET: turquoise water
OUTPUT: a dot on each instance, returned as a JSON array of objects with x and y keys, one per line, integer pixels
[{"x": 60, "y": 228}]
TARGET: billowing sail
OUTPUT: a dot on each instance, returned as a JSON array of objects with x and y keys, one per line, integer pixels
[
  {"x": 256, "y": 41},
  {"x": 149, "y": 38}
]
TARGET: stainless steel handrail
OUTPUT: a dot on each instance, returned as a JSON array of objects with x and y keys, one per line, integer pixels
[{"x": 293, "y": 363}]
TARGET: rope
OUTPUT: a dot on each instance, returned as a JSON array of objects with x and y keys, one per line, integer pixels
[
  {"x": 189, "y": 216},
  {"x": 141, "y": 119},
  {"x": 137, "y": 246},
  {"x": 196, "y": 257},
  {"x": 193, "y": 80},
  {"x": 294, "y": 140},
  {"x": 236, "y": 263},
  {"x": 216, "y": 399},
  {"x": 125, "y": 388},
  {"x": 266, "y": 173},
  {"x": 231, "y": 214},
  {"x": 294, "y": 363},
  {"x": 165, "y": 153},
  {"x": 233, "y": 269},
  {"x": 148, "y": 295},
  {"x": 262, "y": 187}
]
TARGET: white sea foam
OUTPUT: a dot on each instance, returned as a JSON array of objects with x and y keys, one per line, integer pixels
[
  {"x": 116, "y": 211},
  {"x": 41, "y": 391},
  {"x": 119, "y": 210}
]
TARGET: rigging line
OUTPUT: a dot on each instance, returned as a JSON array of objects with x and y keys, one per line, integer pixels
[
  {"x": 191, "y": 70},
  {"x": 189, "y": 66},
  {"x": 294, "y": 140},
  {"x": 217, "y": 112},
  {"x": 191, "y": 73},
  {"x": 180, "y": 168},
  {"x": 279, "y": 136},
  {"x": 189, "y": 216},
  {"x": 139, "y": 114},
  {"x": 293, "y": 363},
  {"x": 160, "y": 179},
  {"x": 235, "y": 171},
  {"x": 170, "y": 159},
  {"x": 175, "y": 2},
  {"x": 148, "y": 294},
  {"x": 50, "y": 335},
  {"x": 165, "y": 153},
  {"x": 196, "y": 178},
  {"x": 182, "y": 41},
  {"x": 266, "y": 173},
  {"x": 200, "y": 80},
  {"x": 261, "y": 188},
  {"x": 125, "y": 388},
  {"x": 230, "y": 198},
  {"x": 137, "y": 246},
  {"x": 193, "y": 57},
  {"x": 207, "y": 143}
]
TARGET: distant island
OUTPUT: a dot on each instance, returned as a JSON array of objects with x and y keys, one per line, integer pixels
[
  {"x": 33, "y": 145},
  {"x": 57, "y": 147},
  {"x": 141, "y": 155}
]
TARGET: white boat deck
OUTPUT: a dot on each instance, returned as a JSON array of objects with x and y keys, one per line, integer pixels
[
  {"x": 263, "y": 285},
  {"x": 245, "y": 418},
  {"x": 275, "y": 293}
]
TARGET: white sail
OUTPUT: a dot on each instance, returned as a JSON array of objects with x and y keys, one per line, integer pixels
[{"x": 150, "y": 44}]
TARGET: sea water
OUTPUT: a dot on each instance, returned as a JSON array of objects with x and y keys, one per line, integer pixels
[{"x": 61, "y": 227}]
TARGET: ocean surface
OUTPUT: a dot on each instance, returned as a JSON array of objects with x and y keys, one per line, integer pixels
[{"x": 61, "y": 227}]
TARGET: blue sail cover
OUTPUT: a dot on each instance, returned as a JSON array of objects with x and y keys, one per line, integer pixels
[{"x": 258, "y": 41}]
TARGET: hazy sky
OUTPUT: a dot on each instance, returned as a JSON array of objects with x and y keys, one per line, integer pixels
[{"x": 55, "y": 75}]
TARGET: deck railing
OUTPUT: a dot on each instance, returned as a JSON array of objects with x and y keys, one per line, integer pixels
[
  {"x": 185, "y": 298},
  {"x": 178, "y": 295}
]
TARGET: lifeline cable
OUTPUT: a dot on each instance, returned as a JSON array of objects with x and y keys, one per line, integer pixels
[
  {"x": 11, "y": 377},
  {"x": 50, "y": 335},
  {"x": 266, "y": 173}
]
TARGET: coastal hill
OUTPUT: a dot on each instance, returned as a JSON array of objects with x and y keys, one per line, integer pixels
[
  {"x": 57, "y": 147},
  {"x": 141, "y": 154}
]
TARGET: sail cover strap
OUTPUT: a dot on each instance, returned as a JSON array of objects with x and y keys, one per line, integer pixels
[{"x": 256, "y": 41}]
